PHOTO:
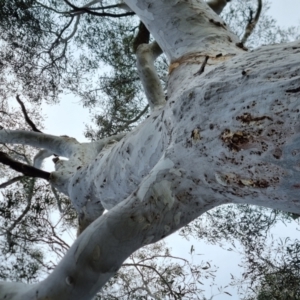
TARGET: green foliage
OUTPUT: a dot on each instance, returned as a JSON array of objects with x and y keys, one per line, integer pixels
[
  {"x": 237, "y": 14},
  {"x": 154, "y": 273},
  {"x": 275, "y": 272}
]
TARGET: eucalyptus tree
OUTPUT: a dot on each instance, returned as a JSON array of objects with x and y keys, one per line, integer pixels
[{"x": 215, "y": 140}]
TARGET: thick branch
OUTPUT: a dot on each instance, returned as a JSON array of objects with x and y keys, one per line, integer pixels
[
  {"x": 211, "y": 38},
  {"x": 60, "y": 145},
  {"x": 40, "y": 156},
  {"x": 99, "y": 145},
  {"x": 142, "y": 37},
  {"x": 146, "y": 55},
  {"x": 27, "y": 170}
]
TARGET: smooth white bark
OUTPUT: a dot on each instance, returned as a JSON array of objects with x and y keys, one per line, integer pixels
[
  {"x": 200, "y": 31},
  {"x": 146, "y": 55},
  {"x": 230, "y": 134}
]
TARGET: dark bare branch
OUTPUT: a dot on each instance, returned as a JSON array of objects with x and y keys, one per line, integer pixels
[
  {"x": 83, "y": 10},
  {"x": 11, "y": 181},
  {"x": 252, "y": 22},
  {"x": 136, "y": 118},
  {"x": 28, "y": 120},
  {"x": 27, "y": 170}
]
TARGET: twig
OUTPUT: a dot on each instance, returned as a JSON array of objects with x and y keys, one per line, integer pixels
[
  {"x": 135, "y": 119},
  {"x": 82, "y": 10},
  {"x": 64, "y": 40},
  {"x": 50, "y": 8},
  {"x": 58, "y": 201},
  {"x": 25, "y": 211},
  {"x": 18, "y": 154},
  {"x": 60, "y": 34},
  {"x": 28, "y": 120},
  {"x": 153, "y": 269}
]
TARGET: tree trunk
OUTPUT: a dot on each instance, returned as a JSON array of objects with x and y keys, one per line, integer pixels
[{"x": 229, "y": 133}]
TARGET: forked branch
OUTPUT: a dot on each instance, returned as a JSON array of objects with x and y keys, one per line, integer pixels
[{"x": 148, "y": 53}]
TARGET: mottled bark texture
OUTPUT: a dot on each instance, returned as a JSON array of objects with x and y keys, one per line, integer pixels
[{"x": 227, "y": 134}]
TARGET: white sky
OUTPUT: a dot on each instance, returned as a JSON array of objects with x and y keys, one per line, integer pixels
[
  {"x": 69, "y": 118},
  {"x": 286, "y": 12}
]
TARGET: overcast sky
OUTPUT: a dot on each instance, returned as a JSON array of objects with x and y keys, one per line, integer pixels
[
  {"x": 286, "y": 12},
  {"x": 69, "y": 118}
]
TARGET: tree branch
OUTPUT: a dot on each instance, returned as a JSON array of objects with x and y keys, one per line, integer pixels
[
  {"x": 142, "y": 37},
  {"x": 58, "y": 201},
  {"x": 11, "y": 181},
  {"x": 61, "y": 145},
  {"x": 65, "y": 40},
  {"x": 29, "y": 191},
  {"x": 55, "y": 43},
  {"x": 127, "y": 122},
  {"x": 28, "y": 120},
  {"x": 40, "y": 156},
  {"x": 146, "y": 55},
  {"x": 252, "y": 23},
  {"x": 82, "y": 10},
  {"x": 23, "y": 168}
]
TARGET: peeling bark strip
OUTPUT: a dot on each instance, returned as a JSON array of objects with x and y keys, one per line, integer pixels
[{"x": 221, "y": 138}]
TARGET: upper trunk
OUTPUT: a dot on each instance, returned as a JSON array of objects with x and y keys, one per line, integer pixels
[{"x": 184, "y": 28}]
